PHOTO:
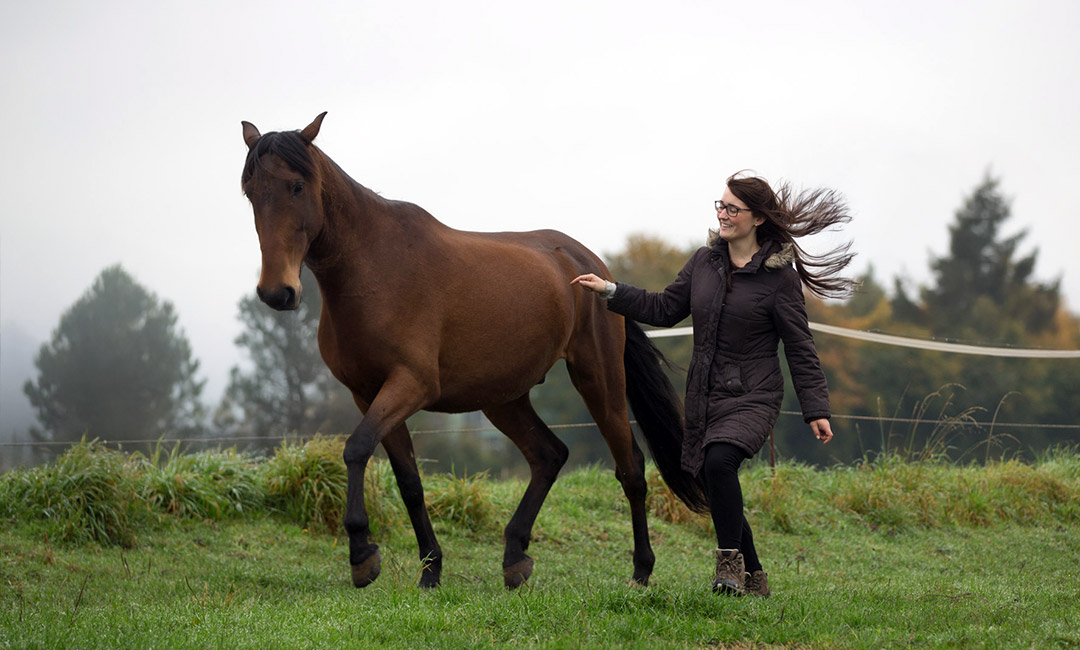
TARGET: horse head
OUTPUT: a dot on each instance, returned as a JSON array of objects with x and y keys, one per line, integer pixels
[{"x": 284, "y": 184}]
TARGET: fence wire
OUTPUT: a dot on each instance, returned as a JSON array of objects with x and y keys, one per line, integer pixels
[
  {"x": 957, "y": 422},
  {"x": 873, "y": 337}
]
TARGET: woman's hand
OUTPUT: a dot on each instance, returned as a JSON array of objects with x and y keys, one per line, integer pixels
[
  {"x": 591, "y": 282},
  {"x": 822, "y": 430}
]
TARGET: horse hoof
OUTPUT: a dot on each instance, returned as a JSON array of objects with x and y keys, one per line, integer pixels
[
  {"x": 516, "y": 574},
  {"x": 640, "y": 581},
  {"x": 428, "y": 581},
  {"x": 429, "y": 574},
  {"x": 364, "y": 574}
]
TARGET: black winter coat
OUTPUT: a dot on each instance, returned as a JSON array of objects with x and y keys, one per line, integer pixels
[{"x": 734, "y": 386}]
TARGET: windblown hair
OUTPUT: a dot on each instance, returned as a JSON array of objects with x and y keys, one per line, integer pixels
[
  {"x": 789, "y": 216},
  {"x": 290, "y": 146}
]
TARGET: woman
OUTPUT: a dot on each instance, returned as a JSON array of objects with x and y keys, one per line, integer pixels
[{"x": 744, "y": 291}]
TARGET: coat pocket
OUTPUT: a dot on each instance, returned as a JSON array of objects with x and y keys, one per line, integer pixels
[{"x": 731, "y": 378}]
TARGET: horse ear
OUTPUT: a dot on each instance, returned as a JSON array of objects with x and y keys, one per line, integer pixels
[
  {"x": 251, "y": 134},
  {"x": 312, "y": 130}
]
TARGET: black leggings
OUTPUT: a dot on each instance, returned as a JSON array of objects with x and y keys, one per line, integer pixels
[{"x": 721, "y": 471}]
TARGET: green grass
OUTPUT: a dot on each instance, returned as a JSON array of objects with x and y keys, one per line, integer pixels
[{"x": 884, "y": 554}]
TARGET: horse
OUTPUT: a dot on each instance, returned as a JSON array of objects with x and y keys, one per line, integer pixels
[{"x": 420, "y": 316}]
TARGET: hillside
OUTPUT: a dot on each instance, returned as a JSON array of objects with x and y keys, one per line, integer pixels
[{"x": 883, "y": 554}]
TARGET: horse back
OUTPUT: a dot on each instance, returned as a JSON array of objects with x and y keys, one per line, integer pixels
[{"x": 479, "y": 317}]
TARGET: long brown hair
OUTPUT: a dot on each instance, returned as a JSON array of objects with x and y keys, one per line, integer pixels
[{"x": 788, "y": 216}]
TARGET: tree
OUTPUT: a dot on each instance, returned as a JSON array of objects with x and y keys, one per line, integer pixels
[
  {"x": 117, "y": 368},
  {"x": 983, "y": 288},
  {"x": 983, "y": 292},
  {"x": 289, "y": 389}
]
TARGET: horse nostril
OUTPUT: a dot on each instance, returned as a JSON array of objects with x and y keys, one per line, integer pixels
[{"x": 281, "y": 298}]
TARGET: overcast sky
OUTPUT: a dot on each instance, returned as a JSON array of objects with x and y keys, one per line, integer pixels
[{"x": 122, "y": 139}]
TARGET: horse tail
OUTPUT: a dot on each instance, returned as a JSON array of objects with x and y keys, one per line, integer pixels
[{"x": 659, "y": 415}]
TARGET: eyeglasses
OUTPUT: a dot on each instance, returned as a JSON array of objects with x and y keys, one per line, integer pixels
[{"x": 732, "y": 210}]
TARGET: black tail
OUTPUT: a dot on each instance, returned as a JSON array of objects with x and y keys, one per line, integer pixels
[{"x": 659, "y": 415}]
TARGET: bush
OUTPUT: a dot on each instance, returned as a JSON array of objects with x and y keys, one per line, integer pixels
[
  {"x": 308, "y": 482},
  {"x": 207, "y": 485},
  {"x": 90, "y": 493},
  {"x": 464, "y": 502}
]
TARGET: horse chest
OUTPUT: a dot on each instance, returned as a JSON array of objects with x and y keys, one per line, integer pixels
[{"x": 362, "y": 373}]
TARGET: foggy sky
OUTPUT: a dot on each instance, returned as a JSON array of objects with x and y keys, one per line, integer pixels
[{"x": 123, "y": 142}]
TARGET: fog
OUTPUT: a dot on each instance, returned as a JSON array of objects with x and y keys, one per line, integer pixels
[{"x": 123, "y": 140}]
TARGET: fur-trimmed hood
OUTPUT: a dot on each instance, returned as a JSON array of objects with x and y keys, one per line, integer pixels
[
  {"x": 777, "y": 260},
  {"x": 781, "y": 258}
]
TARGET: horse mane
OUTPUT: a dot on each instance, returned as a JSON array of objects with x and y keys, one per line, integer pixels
[{"x": 290, "y": 146}]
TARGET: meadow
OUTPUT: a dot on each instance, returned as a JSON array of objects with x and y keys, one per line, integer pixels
[{"x": 218, "y": 549}]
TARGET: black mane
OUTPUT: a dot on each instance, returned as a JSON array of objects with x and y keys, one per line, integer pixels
[{"x": 290, "y": 146}]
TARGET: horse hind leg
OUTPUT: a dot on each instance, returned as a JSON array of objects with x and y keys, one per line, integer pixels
[
  {"x": 399, "y": 450},
  {"x": 546, "y": 455},
  {"x": 602, "y": 385}
]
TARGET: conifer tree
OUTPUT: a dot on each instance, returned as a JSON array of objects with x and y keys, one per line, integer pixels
[
  {"x": 983, "y": 288},
  {"x": 117, "y": 368}
]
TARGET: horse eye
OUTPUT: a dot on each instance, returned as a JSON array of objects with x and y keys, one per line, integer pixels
[{"x": 297, "y": 188}]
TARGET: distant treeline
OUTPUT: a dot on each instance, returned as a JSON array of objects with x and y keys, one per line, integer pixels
[{"x": 119, "y": 368}]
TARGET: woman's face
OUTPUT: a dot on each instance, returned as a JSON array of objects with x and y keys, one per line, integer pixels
[{"x": 740, "y": 226}]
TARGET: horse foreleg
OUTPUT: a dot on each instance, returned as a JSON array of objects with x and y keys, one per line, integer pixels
[
  {"x": 546, "y": 455},
  {"x": 364, "y": 557},
  {"x": 394, "y": 403},
  {"x": 399, "y": 449}
]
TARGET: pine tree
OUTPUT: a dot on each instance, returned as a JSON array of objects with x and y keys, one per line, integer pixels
[
  {"x": 982, "y": 288},
  {"x": 117, "y": 368}
]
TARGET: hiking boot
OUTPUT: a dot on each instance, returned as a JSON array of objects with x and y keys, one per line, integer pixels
[
  {"x": 757, "y": 584},
  {"x": 730, "y": 572}
]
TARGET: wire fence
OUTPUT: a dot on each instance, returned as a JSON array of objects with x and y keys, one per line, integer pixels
[
  {"x": 224, "y": 439},
  {"x": 873, "y": 337}
]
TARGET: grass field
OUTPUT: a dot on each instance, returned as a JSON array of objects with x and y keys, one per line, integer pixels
[{"x": 887, "y": 554}]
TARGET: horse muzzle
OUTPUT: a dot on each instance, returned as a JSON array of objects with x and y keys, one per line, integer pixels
[{"x": 283, "y": 298}]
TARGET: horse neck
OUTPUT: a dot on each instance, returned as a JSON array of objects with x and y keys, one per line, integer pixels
[{"x": 364, "y": 234}]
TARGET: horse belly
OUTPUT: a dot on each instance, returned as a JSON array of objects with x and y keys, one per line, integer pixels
[
  {"x": 498, "y": 359},
  {"x": 483, "y": 387}
]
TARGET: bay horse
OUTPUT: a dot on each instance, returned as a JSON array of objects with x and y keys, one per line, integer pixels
[{"x": 417, "y": 315}]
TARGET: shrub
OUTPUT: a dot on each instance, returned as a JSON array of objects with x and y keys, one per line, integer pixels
[
  {"x": 89, "y": 493},
  {"x": 308, "y": 482},
  {"x": 465, "y": 501},
  {"x": 207, "y": 485}
]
